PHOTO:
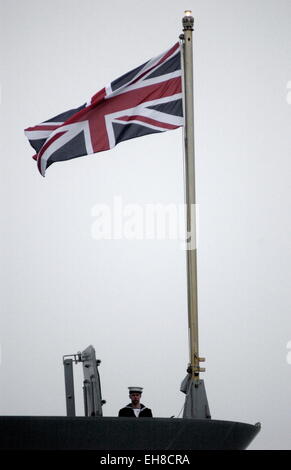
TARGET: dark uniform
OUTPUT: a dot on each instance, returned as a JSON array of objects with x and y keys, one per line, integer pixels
[{"x": 128, "y": 412}]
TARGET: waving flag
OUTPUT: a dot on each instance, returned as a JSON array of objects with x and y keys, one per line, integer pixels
[{"x": 144, "y": 101}]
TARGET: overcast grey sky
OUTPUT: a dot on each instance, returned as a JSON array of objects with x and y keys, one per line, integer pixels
[{"x": 62, "y": 290}]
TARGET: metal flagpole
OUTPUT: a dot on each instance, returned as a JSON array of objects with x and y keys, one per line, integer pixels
[
  {"x": 188, "y": 23},
  {"x": 196, "y": 405}
]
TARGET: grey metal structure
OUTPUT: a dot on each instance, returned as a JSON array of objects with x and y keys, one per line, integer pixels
[
  {"x": 196, "y": 403},
  {"x": 91, "y": 385},
  {"x": 69, "y": 385}
]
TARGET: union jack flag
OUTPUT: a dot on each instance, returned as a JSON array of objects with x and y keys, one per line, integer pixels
[{"x": 144, "y": 101}]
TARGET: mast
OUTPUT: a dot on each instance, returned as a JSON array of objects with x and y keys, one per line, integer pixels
[
  {"x": 190, "y": 195},
  {"x": 196, "y": 405}
]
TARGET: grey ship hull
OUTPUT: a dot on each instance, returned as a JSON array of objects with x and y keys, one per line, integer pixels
[{"x": 63, "y": 433}]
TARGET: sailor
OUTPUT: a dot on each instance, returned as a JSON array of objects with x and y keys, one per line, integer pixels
[{"x": 135, "y": 409}]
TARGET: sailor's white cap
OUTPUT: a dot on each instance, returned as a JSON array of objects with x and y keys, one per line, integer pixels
[{"x": 135, "y": 389}]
